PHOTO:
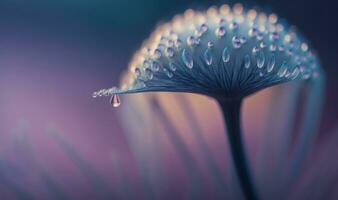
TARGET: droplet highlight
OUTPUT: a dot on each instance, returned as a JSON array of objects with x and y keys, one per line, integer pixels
[
  {"x": 208, "y": 56},
  {"x": 115, "y": 100},
  {"x": 187, "y": 59},
  {"x": 226, "y": 55}
]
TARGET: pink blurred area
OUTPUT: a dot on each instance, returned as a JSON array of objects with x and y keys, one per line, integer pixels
[{"x": 47, "y": 84}]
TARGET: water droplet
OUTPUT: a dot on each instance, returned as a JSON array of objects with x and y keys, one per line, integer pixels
[
  {"x": 295, "y": 73},
  {"x": 94, "y": 95},
  {"x": 282, "y": 70},
  {"x": 306, "y": 72},
  {"x": 271, "y": 63},
  {"x": 170, "y": 43},
  {"x": 210, "y": 44},
  {"x": 261, "y": 74},
  {"x": 156, "y": 66},
  {"x": 259, "y": 36},
  {"x": 220, "y": 31},
  {"x": 247, "y": 61},
  {"x": 191, "y": 40},
  {"x": 115, "y": 100},
  {"x": 146, "y": 64},
  {"x": 255, "y": 50},
  {"x": 243, "y": 40},
  {"x": 172, "y": 66},
  {"x": 170, "y": 52},
  {"x": 274, "y": 36},
  {"x": 281, "y": 48},
  {"x": 208, "y": 56},
  {"x": 233, "y": 26},
  {"x": 253, "y": 32},
  {"x": 273, "y": 47},
  {"x": 137, "y": 72},
  {"x": 262, "y": 45},
  {"x": 236, "y": 42},
  {"x": 226, "y": 55},
  {"x": 149, "y": 74},
  {"x": 202, "y": 29},
  {"x": 260, "y": 57},
  {"x": 178, "y": 43},
  {"x": 187, "y": 59},
  {"x": 168, "y": 73}
]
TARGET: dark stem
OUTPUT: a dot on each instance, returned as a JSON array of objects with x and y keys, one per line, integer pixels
[{"x": 231, "y": 112}]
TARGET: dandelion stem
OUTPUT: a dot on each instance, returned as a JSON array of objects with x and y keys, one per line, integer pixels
[{"x": 231, "y": 112}]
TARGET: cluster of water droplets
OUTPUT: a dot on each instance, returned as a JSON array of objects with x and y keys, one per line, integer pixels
[{"x": 248, "y": 42}]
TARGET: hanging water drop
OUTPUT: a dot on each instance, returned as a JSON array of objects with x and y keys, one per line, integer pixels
[
  {"x": 191, "y": 40},
  {"x": 282, "y": 70},
  {"x": 172, "y": 66},
  {"x": 226, "y": 55},
  {"x": 247, "y": 61},
  {"x": 220, "y": 32},
  {"x": 187, "y": 59},
  {"x": 271, "y": 63},
  {"x": 208, "y": 56},
  {"x": 168, "y": 73},
  {"x": 170, "y": 52},
  {"x": 115, "y": 100},
  {"x": 236, "y": 42},
  {"x": 233, "y": 26},
  {"x": 157, "y": 54},
  {"x": 295, "y": 73},
  {"x": 156, "y": 66},
  {"x": 260, "y": 57},
  {"x": 149, "y": 74}
]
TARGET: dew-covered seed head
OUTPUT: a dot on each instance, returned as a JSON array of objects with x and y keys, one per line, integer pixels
[{"x": 221, "y": 52}]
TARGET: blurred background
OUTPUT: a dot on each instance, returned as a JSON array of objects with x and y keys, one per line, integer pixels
[{"x": 54, "y": 54}]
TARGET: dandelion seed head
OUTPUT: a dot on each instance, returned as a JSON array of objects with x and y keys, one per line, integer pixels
[{"x": 221, "y": 52}]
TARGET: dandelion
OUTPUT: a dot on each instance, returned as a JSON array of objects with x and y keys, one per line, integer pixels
[{"x": 227, "y": 54}]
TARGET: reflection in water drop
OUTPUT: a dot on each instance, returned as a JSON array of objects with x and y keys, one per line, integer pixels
[{"x": 115, "y": 100}]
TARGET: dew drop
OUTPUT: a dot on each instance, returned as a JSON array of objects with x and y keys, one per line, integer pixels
[
  {"x": 247, "y": 61},
  {"x": 202, "y": 29},
  {"x": 262, "y": 45},
  {"x": 137, "y": 72},
  {"x": 115, "y": 100},
  {"x": 156, "y": 66},
  {"x": 220, "y": 31},
  {"x": 210, "y": 44},
  {"x": 305, "y": 72},
  {"x": 149, "y": 74},
  {"x": 208, "y": 56},
  {"x": 259, "y": 36},
  {"x": 295, "y": 73},
  {"x": 274, "y": 36},
  {"x": 191, "y": 40},
  {"x": 178, "y": 43},
  {"x": 146, "y": 64},
  {"x": 253, "y": 32},
  {"x": 187, "y": 59},
  {"x": 260, "y": 59},
  {"x": 226, "y": 55},
  {"x": 170, "y": 43},
  {"x": 273, "y": 47},
  {"x": 157, "y": 54},
  {"x": 233, "y": 26},
  {"x": 170, "y": 52},
  {"x": 94, "y": 95},
  {"x": 172, "y": 67},
  {"x": 261, "y": 74},
  {"x": 243, "y": 40},
  {"x": 236, "y": 42},
  {"x": 168, "y": 73},
  {"x": 271, "y": 63},
  {"x": 282, "y": 70}
]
